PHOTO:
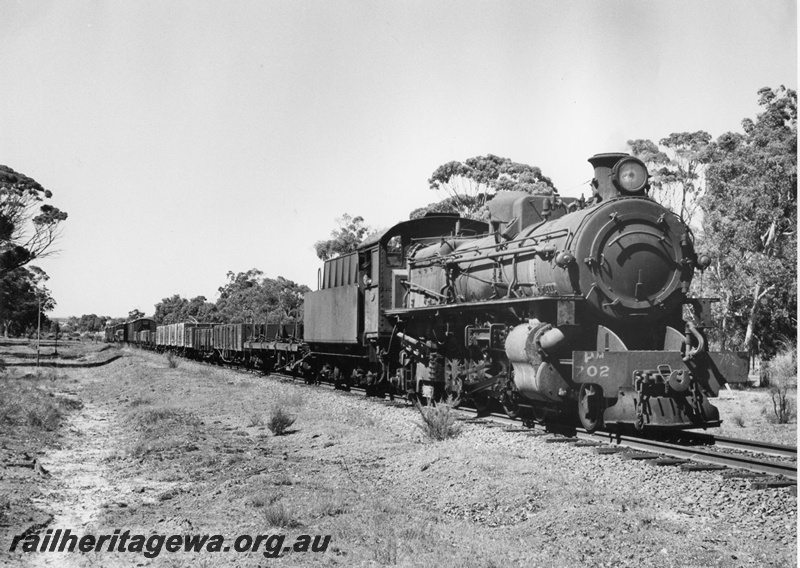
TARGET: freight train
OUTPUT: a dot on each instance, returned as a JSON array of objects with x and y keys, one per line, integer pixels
[{"x": 562, "y": 308}]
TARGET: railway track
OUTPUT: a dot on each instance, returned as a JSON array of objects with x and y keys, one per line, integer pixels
[
  {"x": 747, "y": 460},
  {"x": 689, "y": 456},
  {"x": 776, "y": 450}
]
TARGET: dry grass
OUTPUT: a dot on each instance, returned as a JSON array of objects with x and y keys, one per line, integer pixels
[
  {"x": 276, "y": 515},
  {"x": 439, "y": 420},
  {"x": 364, "y": 477},
  {"x": 256, "y": 419},
  {"x": 782, "y": 382},
  {"x": 27, "y": 401},
  {"x": 172, "y": 360},
  {"x": 161, "y": 429},
  {"x": 738, "y": 420},
  {"x": 748, "y": 414},
  {"x": 14, "y": 351},
  {"x": 279, "y": 421}
]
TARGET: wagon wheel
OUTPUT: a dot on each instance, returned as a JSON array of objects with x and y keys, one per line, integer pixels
[{"x": 591, "y": 406}]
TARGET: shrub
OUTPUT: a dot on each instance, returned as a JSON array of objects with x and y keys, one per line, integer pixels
[
  {"x": 43, "y": 417},
  {"x": 24, "y": 403},
  {"x": 256, "y": 420},
  {"x": 262, "y": 499},
  {"x": 385, "y": 551},
  {"x": 149, "y": 418},
  {"x": 279, "y": 421},
  {"x": 330, "y": 506},
  {"x": 783, "y": 379},
  {"x": 160, "y": 429},
  {"x": 439, "y": 420},
  {"x": 172, "y": 360},
  {"x": 276, "y": 515}
]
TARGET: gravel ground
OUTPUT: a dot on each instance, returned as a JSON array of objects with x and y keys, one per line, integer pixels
[
  {"x": 749, "y": 414},
  {"x": 363, "y": 473}
]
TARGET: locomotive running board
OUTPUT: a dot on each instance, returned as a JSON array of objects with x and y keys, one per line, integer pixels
[{"x": 489, "y": 304}]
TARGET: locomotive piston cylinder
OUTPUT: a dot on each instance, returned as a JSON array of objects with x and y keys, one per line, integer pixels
[{"x": 527, "y": 347}]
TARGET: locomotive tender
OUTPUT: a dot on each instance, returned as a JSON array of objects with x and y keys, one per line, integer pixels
[{"x": 557, "y": 306}]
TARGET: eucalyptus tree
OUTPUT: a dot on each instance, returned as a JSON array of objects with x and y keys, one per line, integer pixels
[
  {"x": 677, "y": 167},
  {"x": 750, "y": 225},
  {"x": 29, "y": 226},
  {"x": 470, "y": 184}
]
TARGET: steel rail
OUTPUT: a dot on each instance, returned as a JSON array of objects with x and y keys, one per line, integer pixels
[
  {"x": 749, "y": 463},
  {"x": 767, "y": 448},
  {"x": 692, "y": 453}
]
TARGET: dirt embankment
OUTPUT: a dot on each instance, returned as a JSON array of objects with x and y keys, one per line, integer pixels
[
  {"x": 26, "y": 354},
  {"x": 187, "y": 450}
]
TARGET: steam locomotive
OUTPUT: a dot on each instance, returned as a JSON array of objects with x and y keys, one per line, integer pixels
[{"x": 559, "y": 307}]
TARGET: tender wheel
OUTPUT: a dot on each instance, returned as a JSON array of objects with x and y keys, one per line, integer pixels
[{"x": 591, "y": 406}]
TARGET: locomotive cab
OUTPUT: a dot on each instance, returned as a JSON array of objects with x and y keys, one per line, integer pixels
[
  {"x": 382, "y": 260},
  {"x": 345, "y": 319}
]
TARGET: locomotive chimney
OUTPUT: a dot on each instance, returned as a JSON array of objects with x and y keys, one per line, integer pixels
[{"x": 618, "y": 174}]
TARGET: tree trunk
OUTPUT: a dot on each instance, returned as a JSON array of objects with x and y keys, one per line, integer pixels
[
  {"x": 758, "y": 294},
  {"x": 768, "y": 241},
  {"x": 751, "y": 318}
]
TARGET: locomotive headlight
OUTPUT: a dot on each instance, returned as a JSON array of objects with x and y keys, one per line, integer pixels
[{"x": 629, "y": 175}]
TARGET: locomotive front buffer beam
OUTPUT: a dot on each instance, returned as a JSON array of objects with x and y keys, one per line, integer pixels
[{"x": 653, "y": 388}]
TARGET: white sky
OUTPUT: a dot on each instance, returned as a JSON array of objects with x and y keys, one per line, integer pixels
[{"x": 189, "y": 138}]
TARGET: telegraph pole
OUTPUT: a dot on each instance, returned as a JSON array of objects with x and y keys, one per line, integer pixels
[{"x": 39, "y": 331}]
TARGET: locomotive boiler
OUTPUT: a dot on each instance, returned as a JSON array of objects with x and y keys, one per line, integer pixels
[{"x": 567, "y": 307}]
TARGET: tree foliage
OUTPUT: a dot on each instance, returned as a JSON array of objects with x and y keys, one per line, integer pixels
[
  {"x": 91, "y": 323},
  {"x": 28, "y": 225},
  {"x": 470, "y": 184},
  {"x": 246, "y": 297},
  {"x": 135, "y": 314},
  {"x": 21, "y": 291},
  {"x": 677, "y": 167},
  {"x": 87, "y": 323},
  {"x": 249, "y": 296},
  {"x": 177, "y": 309},
  {"x": 750, "y": 225},
  {"x": 351, "y": 232},
  {"x": 446, "y": 205}
]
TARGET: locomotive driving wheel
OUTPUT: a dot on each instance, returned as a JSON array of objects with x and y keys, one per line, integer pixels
[
  {"x": 482, "y": 403},
  {"x": 510, "y": 399},
  {"x": 511, "y": 405},
  {"x": 591, "y": 406}
]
